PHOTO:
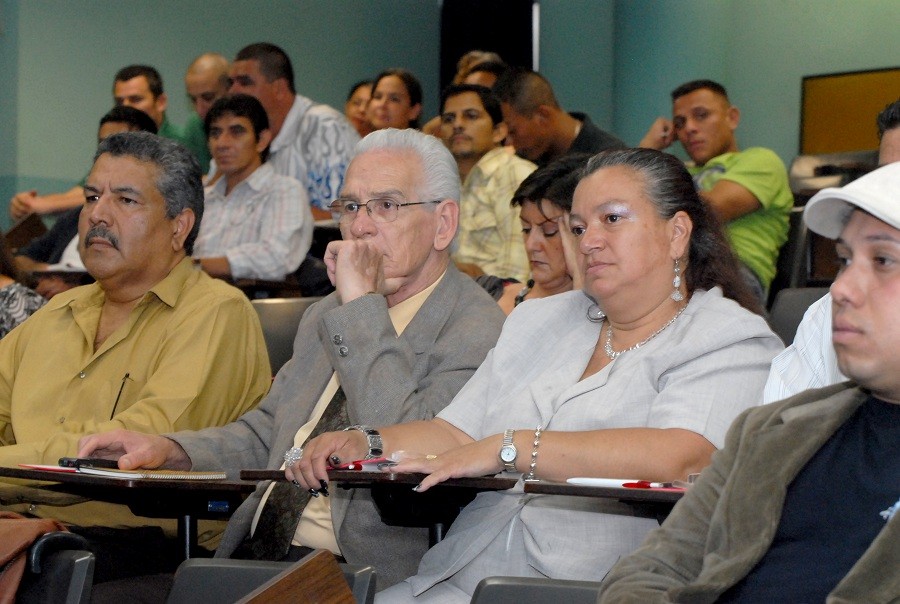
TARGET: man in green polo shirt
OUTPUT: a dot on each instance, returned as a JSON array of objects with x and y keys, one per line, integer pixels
[
  {"x": 748, "y": 190},
  {"x": 141, "y": 87}
]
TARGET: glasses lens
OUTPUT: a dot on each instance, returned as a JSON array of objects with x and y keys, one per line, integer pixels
[
  {"x": 383, "y": 210},
  {"x": 344, "y": 210}
]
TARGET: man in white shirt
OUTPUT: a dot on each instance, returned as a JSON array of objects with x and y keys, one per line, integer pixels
[
  {"x": 810, "y": 362},
  {"x": 257, "y": 224},
  {"x": 310, "y": 141}
]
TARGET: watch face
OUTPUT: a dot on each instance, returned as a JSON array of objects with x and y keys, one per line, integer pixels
[{"x": 508, "y": 453}]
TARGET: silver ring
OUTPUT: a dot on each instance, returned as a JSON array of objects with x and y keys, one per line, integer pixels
[{"x": 293, "y": 455}]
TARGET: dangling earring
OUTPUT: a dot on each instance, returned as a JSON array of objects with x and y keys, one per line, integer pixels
[
  {"x": 594, "y": 314},
  {"x": 676, "y": 283}
]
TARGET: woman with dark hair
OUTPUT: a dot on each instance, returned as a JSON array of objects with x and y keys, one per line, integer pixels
[
  {"x": 17, "y": 302},
  {"x": 545, "y": 199},
  {"x": 356, "y": 104},
  {"x": 637, "y": 376},
  {"x": 396, "y": 100}
]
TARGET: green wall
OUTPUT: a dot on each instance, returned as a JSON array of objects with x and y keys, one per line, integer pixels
[
  {"x": 67, "y": 51},
  {"x": 617, "y": 60},
  {"x": 577, "y": 51},
  {"x": 758, "y": 50},
  {"x": 8, "y": 101}
]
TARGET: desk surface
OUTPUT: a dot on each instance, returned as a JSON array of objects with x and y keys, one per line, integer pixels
[
  {"x": 352, "y": 478},
  {"x": 91, "y": 481},
  {"x": 622, "y": 494},
  {"x": 184, "y": 500}
]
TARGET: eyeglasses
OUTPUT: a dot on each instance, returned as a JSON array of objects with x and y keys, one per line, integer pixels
[{"x": 379, "y": 210}]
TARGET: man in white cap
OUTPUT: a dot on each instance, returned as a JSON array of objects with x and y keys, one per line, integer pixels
[
  {"x": 810, "y": 361},
  {"x": 810, "y": 509}
]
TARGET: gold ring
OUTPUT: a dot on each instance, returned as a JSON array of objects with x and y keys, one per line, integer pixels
[{"x": 430, "y": 457}]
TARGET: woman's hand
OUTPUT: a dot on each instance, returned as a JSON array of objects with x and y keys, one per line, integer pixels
[
  {"x": 479, "y": 458},
  {"x": 570, "y": 252}
]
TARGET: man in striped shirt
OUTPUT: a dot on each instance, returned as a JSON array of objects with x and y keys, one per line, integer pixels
[{"x": 257, "y": 224}]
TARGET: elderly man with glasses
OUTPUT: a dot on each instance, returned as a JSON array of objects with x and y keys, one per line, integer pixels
[{"x": 401, "y": 334}]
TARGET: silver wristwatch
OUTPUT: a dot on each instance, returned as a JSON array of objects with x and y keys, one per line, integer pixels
[
  {"x": 376, "y": 446},
  {"x": 508, "y": 451}
]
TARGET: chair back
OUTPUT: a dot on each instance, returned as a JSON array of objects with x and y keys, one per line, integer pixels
[
  {"x": 788, "y": 309},
  {"x": 792, "y": 266},
  {"x": 280, "y": 318},
  {"x": 227, "y": 580}
]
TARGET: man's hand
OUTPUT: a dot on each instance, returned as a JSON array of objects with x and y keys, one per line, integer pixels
[
  {"x": 355, "y": 268},
  {"x": 660, "y": 135},
  {"x": 325, "y": 451},
  {"x": 135, "y": 450},
  {"x": 21, "y": 204}
]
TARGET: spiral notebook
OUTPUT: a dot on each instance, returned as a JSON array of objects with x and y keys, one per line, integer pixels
[{"x": 151, "y": 474}]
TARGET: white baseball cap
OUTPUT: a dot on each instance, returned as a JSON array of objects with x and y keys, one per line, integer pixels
[{"x": 877, "y": 193}]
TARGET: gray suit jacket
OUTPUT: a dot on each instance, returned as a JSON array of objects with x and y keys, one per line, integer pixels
[
  {"x": 728, "y": 520},
  {"x": 387, "y": 380}
]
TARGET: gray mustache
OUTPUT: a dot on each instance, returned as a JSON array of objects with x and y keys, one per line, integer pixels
[{"x": 100, "y": 231}]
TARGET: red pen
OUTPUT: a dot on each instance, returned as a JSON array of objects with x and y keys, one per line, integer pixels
[
  {"x": 359, "y": 464},
  {"x": 646, "y": 484}
]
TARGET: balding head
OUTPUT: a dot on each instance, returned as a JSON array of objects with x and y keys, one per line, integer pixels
[{"x": 206, "y": 81}]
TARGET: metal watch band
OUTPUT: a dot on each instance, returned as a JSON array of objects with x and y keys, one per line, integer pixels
[
  {"x": 510, "y": 466},
  {"x": 373, "y": 437}
]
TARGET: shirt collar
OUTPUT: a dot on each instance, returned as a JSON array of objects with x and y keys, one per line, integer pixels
[
  {"x": 287, "y": 133},
  {"x": 403, "y": 313},
  {"x": 255, "y": 181},
  {"x": 167, "y": 290}
]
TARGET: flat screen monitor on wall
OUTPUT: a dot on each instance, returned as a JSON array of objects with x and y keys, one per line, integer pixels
[{"x": 838, "y": 109}]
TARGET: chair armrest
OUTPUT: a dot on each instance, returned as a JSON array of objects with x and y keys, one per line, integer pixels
[
  {"x": 49, "y": 543},
  {"x": 511, "y": 590}
]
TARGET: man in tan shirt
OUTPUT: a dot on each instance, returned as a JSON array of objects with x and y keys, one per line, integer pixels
[{"x": 154, "y": 345}]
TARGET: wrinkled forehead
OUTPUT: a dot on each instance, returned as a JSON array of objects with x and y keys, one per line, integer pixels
[
  {"x": 124, "y": 172},
  {"x": 391, "y": 172}
]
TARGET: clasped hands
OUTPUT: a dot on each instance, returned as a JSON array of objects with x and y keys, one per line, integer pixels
[{"x": 478, "y": 458}]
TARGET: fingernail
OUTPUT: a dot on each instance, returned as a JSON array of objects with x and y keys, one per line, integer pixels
[
  {"x": 416, "y": 488},
  {"x": 314, "y": 492},
  {"x": 296, "y": 484},
  {"x": 324, "y": 487}
]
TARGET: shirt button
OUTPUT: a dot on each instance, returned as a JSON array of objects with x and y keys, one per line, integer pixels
[
  {"x": 82, "y": 375},
  {"x": 338, "y": 339},
  {"x": 32, "y": 509},
  {"x": 343, "y": 351},
  {"x": 62, "y": 420}
]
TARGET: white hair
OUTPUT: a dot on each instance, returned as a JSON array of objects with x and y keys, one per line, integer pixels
[{"x": 440, "y": 174}]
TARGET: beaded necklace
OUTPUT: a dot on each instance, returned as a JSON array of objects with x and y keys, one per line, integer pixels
[{"x": 613, "y": 355}]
